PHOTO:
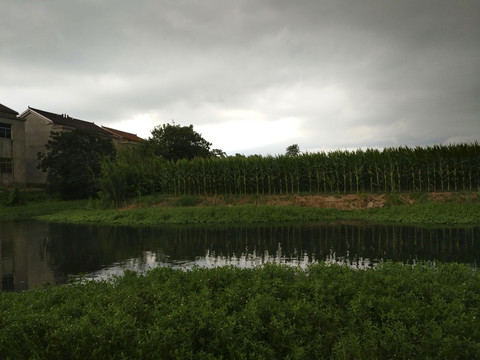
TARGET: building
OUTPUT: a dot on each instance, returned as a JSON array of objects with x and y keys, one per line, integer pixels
[
  {"x": 123, "y": 138},
  {"x": 39, "y": 124},
  {"x": 12, "y": 147}
]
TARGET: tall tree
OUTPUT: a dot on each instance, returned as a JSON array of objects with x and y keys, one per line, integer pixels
[
  {"x": 73, "y": 162},
  {"x": 293, "y": 150},
  {"x": 174, "y": 142}
]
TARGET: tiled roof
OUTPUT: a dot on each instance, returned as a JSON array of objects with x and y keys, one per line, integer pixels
[
  {"x": 71, "y": 122},
  {"x": 7, "y": 110},
  {"x": 124, "y": 135}
]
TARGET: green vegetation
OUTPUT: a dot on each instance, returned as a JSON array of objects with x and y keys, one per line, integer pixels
[
  {"x": 175, "y": 142},
  {"x": 462, "y": 209},
  {"x": 15, "y": 197},
  {"x": 451, "y": 213},
  {"x": 437, "y": 168},
  {"x": 193, "y": 215},
  {"x": 73, "y": 162},
  {"x": 34, "y": 205},
  {"x": 292, "y": 150},
  {"x": 274, "y": 312}
]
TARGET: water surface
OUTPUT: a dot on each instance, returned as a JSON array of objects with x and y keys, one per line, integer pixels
[{"x": 34, "y": 253}]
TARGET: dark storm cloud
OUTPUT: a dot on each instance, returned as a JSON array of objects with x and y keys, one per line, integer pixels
[{"x": 332, "y": 73}]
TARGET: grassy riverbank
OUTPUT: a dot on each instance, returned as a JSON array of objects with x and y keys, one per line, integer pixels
[
  {"x": 428, "y": 213},
  {"x": 457, "y": 209},
  {"x": 193, "y": 215},
  {"x": 274, "y": 312},
  {"x": 33, "y": 209}
]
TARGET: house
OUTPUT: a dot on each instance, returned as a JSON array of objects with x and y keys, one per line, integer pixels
[
  {"x": 39, "y": 124},
  {"x": 12, "y": 147},
  {"x": 124, "y": 138}
]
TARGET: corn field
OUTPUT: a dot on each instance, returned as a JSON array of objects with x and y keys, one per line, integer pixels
[{"x": 436, "y": 168}]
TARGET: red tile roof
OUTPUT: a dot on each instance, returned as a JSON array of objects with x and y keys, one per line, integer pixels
[
  {"x": 71, "y": 122},
  {"x": 124, "y": 135}
]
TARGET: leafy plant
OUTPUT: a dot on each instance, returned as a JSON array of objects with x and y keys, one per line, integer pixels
[{"x": 16, "y": 197}]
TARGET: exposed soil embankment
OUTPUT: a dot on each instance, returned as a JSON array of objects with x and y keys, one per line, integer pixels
[
  {"x": 340, "y": 201},
  {"x": 363, "y": 201}
]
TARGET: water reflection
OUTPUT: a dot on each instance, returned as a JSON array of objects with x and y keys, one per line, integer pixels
[
  {"x": 34, "y": 253},
  {"x": 23, "y": 256}
]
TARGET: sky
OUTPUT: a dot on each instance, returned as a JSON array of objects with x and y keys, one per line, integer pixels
[{"x": 252, "y": 76}]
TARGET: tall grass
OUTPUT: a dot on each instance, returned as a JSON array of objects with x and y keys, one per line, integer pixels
[{"x": 437, "y": 168}]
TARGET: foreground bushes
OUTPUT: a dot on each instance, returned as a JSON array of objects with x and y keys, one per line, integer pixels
[{"x": 273, "y": 312}]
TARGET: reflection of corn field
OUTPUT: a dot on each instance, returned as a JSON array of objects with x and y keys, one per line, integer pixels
[{"x": 437, "y": 168}]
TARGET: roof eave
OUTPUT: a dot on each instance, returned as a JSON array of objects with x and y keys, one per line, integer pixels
[{"x": 30, "y": 110}]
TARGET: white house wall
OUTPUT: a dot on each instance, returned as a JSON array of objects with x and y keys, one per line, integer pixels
[{"x": 37, "y": 134}]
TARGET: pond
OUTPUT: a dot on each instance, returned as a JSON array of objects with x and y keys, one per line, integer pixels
[{"x": 35, "y": 253}]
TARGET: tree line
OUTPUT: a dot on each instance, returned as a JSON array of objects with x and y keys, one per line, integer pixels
[
  {"x": 73, "y": 159},
  {"x": 184, "y": 165}
]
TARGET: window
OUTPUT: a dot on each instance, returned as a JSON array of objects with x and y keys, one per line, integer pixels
[
  {"x": 6, "y": 165},
  {"x": 5, "y": 131}
]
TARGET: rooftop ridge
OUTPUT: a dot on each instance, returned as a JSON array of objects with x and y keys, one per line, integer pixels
[{"x": 66, "y": 120}]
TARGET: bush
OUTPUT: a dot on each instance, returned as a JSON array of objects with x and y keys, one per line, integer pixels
[{"x": 274, "y": 312}]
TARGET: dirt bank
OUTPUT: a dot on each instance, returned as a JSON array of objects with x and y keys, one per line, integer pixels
[{"x": 341, "y": 202}]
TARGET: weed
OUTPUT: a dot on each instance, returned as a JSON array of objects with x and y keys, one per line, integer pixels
[
  {"x": 394, "y": 199},
  {"x": 188, "y": 200},
  {"x": 419, "y": 196}
]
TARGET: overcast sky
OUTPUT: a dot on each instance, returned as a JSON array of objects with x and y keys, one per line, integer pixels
[{"x": 252, "y": 76}]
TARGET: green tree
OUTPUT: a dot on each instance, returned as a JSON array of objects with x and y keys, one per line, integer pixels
[
  {"x": 175, "y": 142},
  {"x": 293, "y": 150},
  {"x": 218, "y": 153},
  {"x": 73, "y": 162}
]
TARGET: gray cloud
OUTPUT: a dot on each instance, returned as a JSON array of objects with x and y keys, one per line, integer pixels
[{"x": 334, "y": 73}]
